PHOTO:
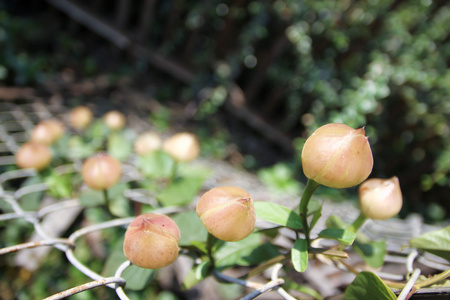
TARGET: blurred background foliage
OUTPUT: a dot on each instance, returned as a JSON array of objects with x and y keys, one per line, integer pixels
[{"x": 382, "y": 64}]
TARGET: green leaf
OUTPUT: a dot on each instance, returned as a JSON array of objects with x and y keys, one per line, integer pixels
[
  {"x": 138, "y": 278},
  {"x": 191, "y": 279},
  {"x": 344, "y": 236},
  {"x": 316, "y": 216},
  {"x": 60, "y": 185},
  {"x": 249, "y": 251},
  {"x": 202, "y": 270},
  {"x": 78, "y": 149},
  {"x": 371, "y": 252},
  {"x": 277, "y": 214},
  {"x": 157, "y": 164},
  {"x": 90, "y": 198},
  {"x": 436, "y": 242},
  {"x": 181, "y": 191},
  {"x": 292, "y": 285},
  {"x": 119, "y": 146},
  {"x": 299, "y": 255},
  {"x": 118, "y": 204},
  {"x": 31, "y": 201},
  {"x": 191, "y": 228},
  {"x": 368, "y": 286}
]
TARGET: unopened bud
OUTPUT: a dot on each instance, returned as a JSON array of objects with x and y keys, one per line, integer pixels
[
  {"x": 80, "y": 117},
  {"x": 114, "y": 119},
  {"x": 380, "y": 199},
  {"x": 47, "y": 131},
  {"x": 147, "y": 143},
  {"x": 101, "y": 171},
  {"x": 151, "y": 241},
  {"x": 33, "y": 155},
  {"x": 337, "y": 156},
  {"x": 182, "y": 147},
  {"x": 227, "y": 213}
]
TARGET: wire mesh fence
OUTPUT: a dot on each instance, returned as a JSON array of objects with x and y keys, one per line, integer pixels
[{"x": 55, "y": 218}]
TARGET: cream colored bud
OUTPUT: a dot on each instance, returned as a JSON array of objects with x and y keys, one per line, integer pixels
[
  {"x": 182, "y": 147},
  {"x": 337, "y": 156},
  {"x": 47, "y": 131},
  {"x": 380, "y": 199},
  {"x": 147, "y": 143},
  {"x": 80, "y": 117},
  {"x": 33, "y": 155},
  {"x": 114, "y": 119}
]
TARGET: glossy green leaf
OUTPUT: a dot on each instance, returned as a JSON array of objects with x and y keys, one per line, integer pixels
[
  {"x": 344, "y": 236},
  {"x": 191, "y": 228},
  {"x": 436, "y": 242},
  {"x": 277, "y": 214},
  {"x": 299, "y": 255},
  {"x": 249, "y": 251},
  {"x": 368, "y": 285},
  {"x": 181, "y": 191},
  {"x": 371, "y": 252}
]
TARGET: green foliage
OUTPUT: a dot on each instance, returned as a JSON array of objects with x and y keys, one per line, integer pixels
[
  {"x": 369, "y": 286},
  {"x": 277, "y": 214},
  {"x": 436, "y": 242},
  {"x": 299, "y": 255}
]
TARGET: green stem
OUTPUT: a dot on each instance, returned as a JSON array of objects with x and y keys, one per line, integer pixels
[
  {"x": 357, "y": 223},
  {"x": 210, "y": 241},
  {"x": 106, "y": 197},
  {"x": 173, "y": 172},
  {"x": 311, "y": 187}
]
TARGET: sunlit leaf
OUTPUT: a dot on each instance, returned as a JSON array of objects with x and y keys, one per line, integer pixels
[
  {"x": 249, "y": 251},
  {"x": 344, "y": 236},
  {"x": 371, "y": 251},
  {"x": 367, "y": 285},
  {"x": 191, "y": 228},
  {"x": 181, "y": 191},
  {"x": 157, "y": 164},
  {"x": 436, "y": 242},
  {"x": 277, "y": 214},
  {"x": 299, "y": 255}
]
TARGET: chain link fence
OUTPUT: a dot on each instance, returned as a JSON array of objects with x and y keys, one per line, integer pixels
[{"x": 54, "y": 218}]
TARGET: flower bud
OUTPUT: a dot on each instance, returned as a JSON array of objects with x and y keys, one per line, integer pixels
[
  {"x": 114, "y": 120},
  {"x": 337, "y": 156},
  {"x": 101, "y": 171},
  {"x": 380, "y": 199},
  {"x": 182, "y": 147},
  {"x": 47, "y": 131},
  {"x": 33, "y": 155},
  {"x": 80, "y": 117},
  {"x": 147, "y": 143},
  {"x": 227, "y": 213},
  {"x": 151, "y": 241}
]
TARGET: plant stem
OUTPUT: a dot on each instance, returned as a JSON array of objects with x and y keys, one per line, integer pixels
[
  {"x": 357, "y": 223},
  {"x": 311, "y": 187},
  {"x": 210, "y": 241}
]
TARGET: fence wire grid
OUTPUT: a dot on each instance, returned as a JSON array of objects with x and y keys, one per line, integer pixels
[{"x": 18, "y": 119}]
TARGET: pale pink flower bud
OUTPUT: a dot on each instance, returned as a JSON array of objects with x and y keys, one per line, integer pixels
[
  {"x": 380, "y": 199},
  {"x": 337, "y": 156},
  {"x": 101, "y": 171},
  {"x": 151, "y": 241},
  {"x": 227, "y": 213}
]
